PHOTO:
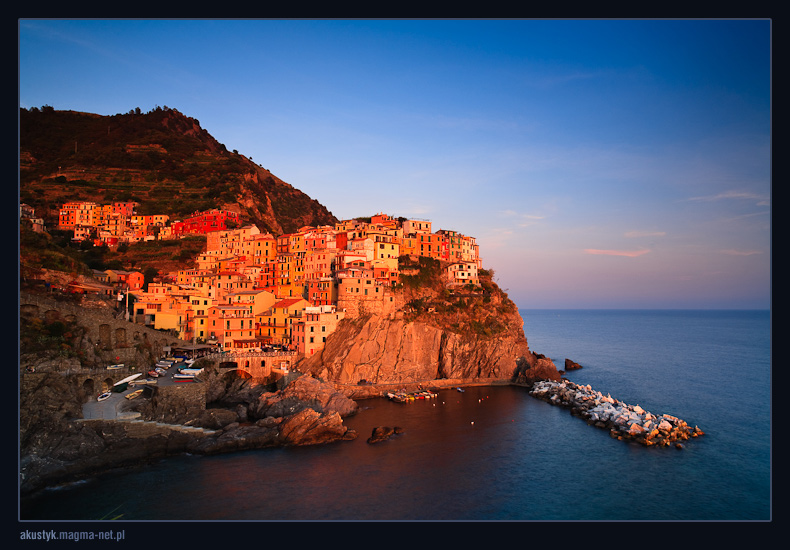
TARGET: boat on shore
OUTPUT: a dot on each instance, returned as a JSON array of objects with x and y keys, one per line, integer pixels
[
  {"x": 134, "y": 395},
  {"x": 189, "y": 371},
  {"x": 181, "y": 377},
  {"x": 115, "y": 367},
  {"x": 103, "y": 396}
]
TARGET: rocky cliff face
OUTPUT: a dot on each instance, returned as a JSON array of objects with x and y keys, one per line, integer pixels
[
  {"x": 395, "y": 350},
  {"x": 433, "y": 332}
]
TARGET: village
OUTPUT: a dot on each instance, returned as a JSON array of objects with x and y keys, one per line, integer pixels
[{"x": 251, "y": 290}]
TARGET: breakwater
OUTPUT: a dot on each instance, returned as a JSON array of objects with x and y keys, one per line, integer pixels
[{"x": 624, "y": 421}]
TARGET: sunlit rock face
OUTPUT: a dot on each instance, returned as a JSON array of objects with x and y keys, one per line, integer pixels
[{"x": 385, "y": 349}]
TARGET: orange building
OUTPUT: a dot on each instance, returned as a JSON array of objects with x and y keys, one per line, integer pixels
[
  {"x": 317, "y": 323},
  {"x": 232, "y": 326},
  {"x": 433, "y": 245}
]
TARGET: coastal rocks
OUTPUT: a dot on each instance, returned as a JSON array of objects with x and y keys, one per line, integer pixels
[
  {"x": 624, "y": 422},
  {"x": 535, "y": 367},
  {"x": 303, "y": 393},
  {"x": 55, "y": 448},
  {"x": 309, "y": 427},
  {"x": 383, "y": 433},
  {"x": 236, "y": 437},
  {"x": 571, "y": 365},
  {"x": 216, "y": 419}
]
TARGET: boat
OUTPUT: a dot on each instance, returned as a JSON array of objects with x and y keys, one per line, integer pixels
[
  {"x": 135, "y": 394},
  {"x": 398, "y": 397},
  {"x": 105, "y": 395},
  {"x": 115, "y": 367},
  {"x": 120, "y": 387},
  {"x": 128, "y": 379},
  {"x": 153, "y": 373},
  {"x": 403, "y": 397},
  {"x": 192, "y": 372},
  {"x": 183, "y": 377},
  {"x": 460, "y": 390}
]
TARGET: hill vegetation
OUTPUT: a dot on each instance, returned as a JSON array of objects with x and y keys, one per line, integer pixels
[{"x": 162, "y": 159}]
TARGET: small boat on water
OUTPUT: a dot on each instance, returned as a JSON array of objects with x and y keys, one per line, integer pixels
[
  {"x": 105, "y": 395},
  {"x": 403, "y": 397},
  {"x": 460, "y": 389},
  {"x": 135, "y": 394}
]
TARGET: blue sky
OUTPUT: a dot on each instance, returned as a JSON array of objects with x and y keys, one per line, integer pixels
[{"x": 599, "y": 163}]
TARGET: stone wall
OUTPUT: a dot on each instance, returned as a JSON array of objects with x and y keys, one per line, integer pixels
[
  {"x": 383, "y": 302},
  {"x": 112, "y": 340},
  {"x": 190, "y": 393}
]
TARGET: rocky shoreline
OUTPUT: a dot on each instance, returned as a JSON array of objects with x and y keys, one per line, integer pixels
[{"x": 624, "y": 422}]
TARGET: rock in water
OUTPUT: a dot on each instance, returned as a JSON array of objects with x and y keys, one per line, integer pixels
[
  {"x": 382, "y": 433},
  {"x": 571, "y": 365}
]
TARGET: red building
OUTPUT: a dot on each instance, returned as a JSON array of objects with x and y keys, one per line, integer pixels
[{"x": 206, "y": 222}]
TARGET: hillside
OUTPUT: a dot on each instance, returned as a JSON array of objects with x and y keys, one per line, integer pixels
[{"x": 162, "y": 159}]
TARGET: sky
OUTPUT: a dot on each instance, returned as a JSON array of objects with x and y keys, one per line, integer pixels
[{"x": 598, "y": 163}]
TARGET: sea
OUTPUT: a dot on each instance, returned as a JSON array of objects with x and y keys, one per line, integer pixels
[{"x": 497, "y": 454}]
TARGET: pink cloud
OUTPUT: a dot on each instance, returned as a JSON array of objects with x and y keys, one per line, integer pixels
[{"x": 627, "y": 253}]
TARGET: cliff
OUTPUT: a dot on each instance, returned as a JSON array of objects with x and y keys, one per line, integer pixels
[{"x": 435, "y": 335}]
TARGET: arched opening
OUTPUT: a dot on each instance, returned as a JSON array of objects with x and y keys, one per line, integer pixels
[
  {"x": 105, "y": 336},
  {"x": 107, "y": 384},
  {"x": 120, "y": 338}
]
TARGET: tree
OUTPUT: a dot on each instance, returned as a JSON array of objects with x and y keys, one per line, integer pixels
[{"x": 149, "y": 274}]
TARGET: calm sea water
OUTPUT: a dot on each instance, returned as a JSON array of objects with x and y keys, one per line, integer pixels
[{"x": 494, "y": 454}]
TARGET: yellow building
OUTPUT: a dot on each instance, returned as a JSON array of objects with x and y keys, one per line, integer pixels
[{"x": 276, "y": 324}]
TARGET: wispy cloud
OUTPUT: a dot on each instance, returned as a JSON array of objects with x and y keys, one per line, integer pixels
[
  {"x": 762, "y": 200},
  {"x": 553, "y": 81},
  {"x": 734, "y": 252},
  {"x": 626, "y": 253},
  {"x": 522, "y": 220},
  {"x": 494, "y": 238},
  {"x": 636, "y": 234}
]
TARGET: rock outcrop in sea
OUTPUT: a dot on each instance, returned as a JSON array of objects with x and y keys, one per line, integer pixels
[{"x": 624, "y": 422}]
